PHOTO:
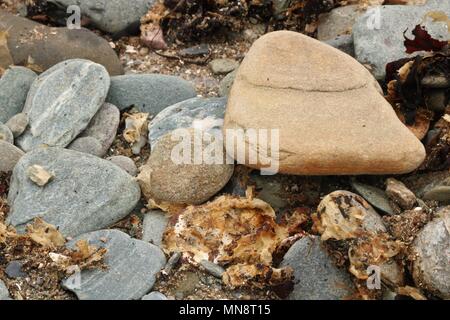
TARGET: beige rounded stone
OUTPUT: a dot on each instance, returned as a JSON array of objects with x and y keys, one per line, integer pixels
[
  {"x": 331, "y": 117},
  {"x": 170, "y": 178}
]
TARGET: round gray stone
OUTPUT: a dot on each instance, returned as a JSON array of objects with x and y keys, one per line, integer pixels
[
  {"x": 316, "y": 276},
  {"x": 62, "y": 101},
  {"x": 125, "y": 163},
  {"x": 14, "y": 86},
  {"x": 17, "y": 124},
  {"x": 87, "y": 193},
  {"x": 163, "y": 179},
  {"x": 431, "y": 248},
  {"x": 132, "y": 268},
  {"x": 208, "y": 113},
  {"x": 150, "y": 93}
]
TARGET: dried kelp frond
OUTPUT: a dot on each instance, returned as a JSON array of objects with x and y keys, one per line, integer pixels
[
  {"x": 354, "y": 234},
  {"x": 239, "y": 233},
  {"x": 45, "y": 234},
  {"x": 136, "y": 130},
  {"x": 406, "y": 89},
  {"x": 227, "y": 230},
  {"x": 438, "y": 147},
  {"x": 370, "y": 250},
  {"x": 340, "y": 216},
  {"x": 192, "y": 20},
  {"x": 44, "y": 259}
]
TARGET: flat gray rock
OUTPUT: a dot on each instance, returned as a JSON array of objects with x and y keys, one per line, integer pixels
[
  {"x": 316, "y": 276},
  {"x": 431, "y": 268},
  {"x": 103, "y": 127},
  {"x": 111, "y": 16},
  {"x": 9, "y": 156},
  {"x": 226, "y": 84},
  {"x": 203, "y": 113},
  {"x": 62, "y": 101},
  {"x": 377, "y": 45},
  {"x": 49, "y": 46},
  {"x": 14, "y": 86},
  {"x": 86, "y": 194},
  {"x": 375, "y": 196},
  {"x": 132, "y": 268},
  {"x": 154, "y": 226},
  {"x": 150, "y": 93},
  {"x": 4, "y": 293}
]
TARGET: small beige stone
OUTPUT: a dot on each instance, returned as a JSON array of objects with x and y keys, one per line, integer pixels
[
  {"x": 39, "y": 175},
  {"x": 331, "y": 117}
]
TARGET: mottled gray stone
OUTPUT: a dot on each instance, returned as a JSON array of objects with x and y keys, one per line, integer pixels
[
  {"x": 9, "y": 156},
  {"x": 87, "y": 193},
  {"x": 226, "y": 84},
  {"x": 431, "y": 268},
  {"x": 14, "y": 86},
  {"x": 338, "y": 22},
  {"x": 438, "y": 189},
  {"x": 223, "y": 66},
  {"x": 4, "y": 293},
  {"x": 87, "y": 145},
  {"x": 170, "y": 178},
  {"x": 49, "y": 46},
  {"x": 154, "y": 296},
  {"x": 17, "y": 124},
  {"x": 6, "y": 134},
  {"x": 62, "y": 101},
  {"x": 14, "y": 270},
  {"x": 316, "y": 276},
  {"x": 132, "y": 268},
  {"x": 343, "y": 43},
  {"x": 377, "y": 45},
  {"x": 150, "y": 93},
  {"x": 154, "y": 226},
  {"x": 374, "y": 196},
  {"x": 103, "y": 127},
  {"x": 125, "y": 163},
  {"x": 203, "y": 113},
  {"x": 111, "y": 16},
  {"x": 214, "y": 269}
]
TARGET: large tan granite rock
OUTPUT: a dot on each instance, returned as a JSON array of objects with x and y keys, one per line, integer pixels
[{"x": 331, "y": 115}]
